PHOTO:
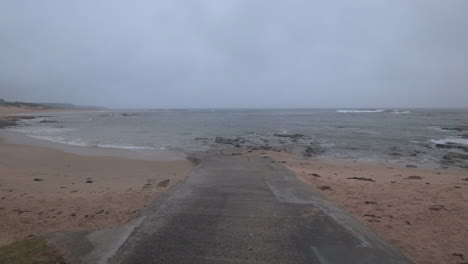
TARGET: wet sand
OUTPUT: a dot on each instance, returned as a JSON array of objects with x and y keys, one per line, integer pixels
[
  {"x": 424, "y": 212},
  {"x": 44, "y": 190}
]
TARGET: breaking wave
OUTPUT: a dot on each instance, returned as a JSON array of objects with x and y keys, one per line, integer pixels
[
  {"x": 55, "y": 135},
  {"x": 398, "y": 112},
  {"x": 453, "y": 140},
  {"x": 360, "y": 111}
]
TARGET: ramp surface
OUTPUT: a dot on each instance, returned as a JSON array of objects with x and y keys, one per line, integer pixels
[{"x": 245, "y": 209}]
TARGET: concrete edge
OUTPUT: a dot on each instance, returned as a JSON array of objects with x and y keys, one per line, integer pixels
[
  {"x": 100, "y": 246},
  {"x": 359, "y": 229}
]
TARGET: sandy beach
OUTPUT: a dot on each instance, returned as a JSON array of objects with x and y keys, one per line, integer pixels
[
  {"x": 45, "y": 190},
  {"x": 421, "y": 211},
  {"x": 424, "y": 212}
]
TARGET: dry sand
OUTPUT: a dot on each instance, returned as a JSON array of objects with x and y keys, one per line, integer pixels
[
  {"x": 45, "y": 190},
  {"x": 424, "y": 212}
]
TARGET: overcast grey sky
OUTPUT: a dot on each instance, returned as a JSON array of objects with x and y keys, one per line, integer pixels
[{"x": 235, "y": 53}]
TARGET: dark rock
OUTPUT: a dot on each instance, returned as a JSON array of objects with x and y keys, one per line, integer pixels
[
  {"x": 438, "y": 207},
  {"x": 19, "y": 211},
  {"x": 464, "y": 136},
  {"x": 48, "y": 121},
  {"x": 452, "y": 128},
  {"x": 7, "y": 123},
  {"x": 315, "y": 175},
  {"x": 411, "y": 166},
  {"x": 11, "y": 121},
  {"x": 164, "y": 183},
  {"x": 461, "y": 256},
  {"x": 453, "y": 157},
  {"x": 325, "y": 188},
  {"x": 294, "y": 136},
  {"x": 466, "y": 179},
  {"x": 372, "y": 215},
  {"x": 370, "y": 202},
  {"x": 361, "y": 179},
  {"x": 229, "y": 141},
  {"x": 310, "y": 151},
  {"x": 25, "y": 117},
  {"x": 37, "y": 179},
  {"x": 413, "y": 177},
  {"x": 374, "y": 218},
  {"x": 89, "y": 181},
  {"x": 452, "y": 146}
]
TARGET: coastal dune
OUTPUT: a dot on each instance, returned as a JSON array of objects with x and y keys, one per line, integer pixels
[{"x": 46, "y": 190}]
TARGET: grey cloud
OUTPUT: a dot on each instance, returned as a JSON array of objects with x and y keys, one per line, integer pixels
[{"x": 235, "y": 53}]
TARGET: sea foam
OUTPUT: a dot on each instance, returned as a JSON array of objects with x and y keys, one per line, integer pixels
[
  {"x": 82, "y": 143},
  {"x": 55, "y": 135},
  {"x": 399, "y": 112},
  {"x": 360, "y": 111},
  {"x": 453, "y": 140}
]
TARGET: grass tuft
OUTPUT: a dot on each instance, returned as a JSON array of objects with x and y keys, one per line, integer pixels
[{"x": 30, "y": 251}]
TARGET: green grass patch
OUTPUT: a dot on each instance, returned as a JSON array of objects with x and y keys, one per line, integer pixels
[{"x": 30, "y": 251}]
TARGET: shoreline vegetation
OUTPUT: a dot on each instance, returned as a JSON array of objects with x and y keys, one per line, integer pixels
[{"x": 421, "y": 211}]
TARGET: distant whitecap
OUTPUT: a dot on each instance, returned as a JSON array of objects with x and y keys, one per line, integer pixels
[{"x": 360, "y": 111}]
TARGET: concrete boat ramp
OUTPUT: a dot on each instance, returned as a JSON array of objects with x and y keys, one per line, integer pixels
[{"x": 236, "y": 209}]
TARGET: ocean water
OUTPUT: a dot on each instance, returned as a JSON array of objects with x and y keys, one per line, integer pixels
[{"x": 415, "y": 136}]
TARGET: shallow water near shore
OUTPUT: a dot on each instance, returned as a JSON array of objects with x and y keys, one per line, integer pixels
[{"x": 425, "y": 137}]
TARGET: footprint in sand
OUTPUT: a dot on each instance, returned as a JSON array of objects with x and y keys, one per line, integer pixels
[{"x": 164, "y": 183}]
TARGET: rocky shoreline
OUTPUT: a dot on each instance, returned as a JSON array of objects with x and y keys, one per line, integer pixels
[
  {"x": 292, "y": 143},
  {"x": 442, "y": 153},
  {"x": 451, "y": 154},
  {"x": 457, "y": 154},
  {"x": 12, "y": 121}
]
